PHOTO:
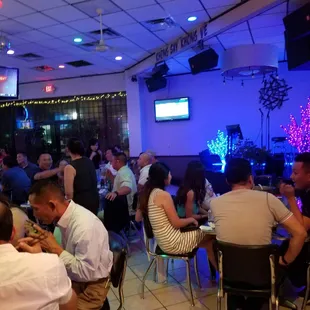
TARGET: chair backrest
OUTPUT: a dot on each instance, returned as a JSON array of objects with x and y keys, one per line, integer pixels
[
  {"x": 247, "y": 264},
  {"x": 148, "y": 227},
  {"x": 116, "y": 214},
  {"x": 119, "y": 249}
]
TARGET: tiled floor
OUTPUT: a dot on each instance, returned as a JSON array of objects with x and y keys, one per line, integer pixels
[{"x": 173, "y": 295}]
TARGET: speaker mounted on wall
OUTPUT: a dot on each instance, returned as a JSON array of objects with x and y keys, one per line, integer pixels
[{"x": 204, "y": 61}]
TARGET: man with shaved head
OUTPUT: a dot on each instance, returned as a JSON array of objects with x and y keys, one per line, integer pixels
[
  {"x": 30, "y": 280},
  {"x": 45, "y": 163},
  {"x": 144, "y": 163}
]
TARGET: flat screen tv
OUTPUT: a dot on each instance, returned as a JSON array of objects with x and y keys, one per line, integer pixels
[
  {"x": 9, "y": 80},
  {"x": 176, "y": 109}
]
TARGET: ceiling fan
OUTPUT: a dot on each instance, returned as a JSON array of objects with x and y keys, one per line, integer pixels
[{"x": 101, "y": 46}]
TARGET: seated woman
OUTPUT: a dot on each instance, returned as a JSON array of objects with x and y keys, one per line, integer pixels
[
  {"x": 191, "y": 195},
  {"x": 157, "y": 204}
]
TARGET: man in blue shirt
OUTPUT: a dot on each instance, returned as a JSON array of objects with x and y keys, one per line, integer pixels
[
  {"x": 15, "y": 182},
  {"x": 30, "y": 168}
]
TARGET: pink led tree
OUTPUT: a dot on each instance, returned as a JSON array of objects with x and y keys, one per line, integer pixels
[{"x": 299, "y": 135}]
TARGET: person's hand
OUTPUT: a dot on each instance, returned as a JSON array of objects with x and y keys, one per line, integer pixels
[
  {"x": 93, "y": 154},
  {"x": 281, "y": 262},
  {"x": 29, "y": 244},
  {"x": 287, "y": 190},
  {"x": 111, "y": 196},
  {"x": 47, "y": 241},
  {"x": 194, "y": 222},
  {"x": 109, "y": 174}
]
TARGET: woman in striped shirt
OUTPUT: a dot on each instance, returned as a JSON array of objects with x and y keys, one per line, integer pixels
[{"x": 158, "y": 205}]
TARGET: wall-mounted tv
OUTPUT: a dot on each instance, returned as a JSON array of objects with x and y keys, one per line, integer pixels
[
  {"x": 176, "y": 109},
  {"x": 9, "y": 80}
]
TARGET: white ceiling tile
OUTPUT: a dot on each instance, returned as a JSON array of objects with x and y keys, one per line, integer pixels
[
  {"x": 268, "y": 31},
  {"x": 69, "y": 39},
  {"x": 170, "y": 34},
  {"x": 117, "y": 19},
  {"x": 90, "y": 7},
  {"x": 240, "y": 27},
  {"x": 10, "y": 26},
  {"x": 34, "y": 36},
  {"x": 235, "y": 38},
  {"x": 124, "y": 45},
  {"x": 130, "y": 30},
  {"x": 178, "y": 7},
  {"x": 54, "y": 43},
  {"x": 15, "y": 41},
  {"x": 148, "y": 41},
  {"x": 132, "y": 4},
  {"x": 36, "y": 20},
  {"x": 138, "y": 56},
  {"x": 269, "y": 20},
  {"x": 216, "y": 3},
  {"x": 184, "y": 23},
  {"x": 278, "y": 9},
  {"x": 85, "y": 25},
  {"x": 269, "y": 39},
  {"x": 29, "y": 48},
  {"x": 41, "y": 5},
  {"x": 214, "y": 12},
  {"x": 65, "y": 14},
  {"x": 148, "y": 13},
  {"x": 50, "y": 53},
  {"x": 12, "y": 9},
  {"x": 59, "y": 31}
]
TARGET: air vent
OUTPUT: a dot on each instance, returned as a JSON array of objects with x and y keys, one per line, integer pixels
[
  {"x": 79, "y": 63},
  {"x": 108, "y": 33},
  {"x": 29, "y": 57},
  {"x": 160, "y": 24},
  {"x": 90, "y": 44},
  {"x": 44, "y": 68}
]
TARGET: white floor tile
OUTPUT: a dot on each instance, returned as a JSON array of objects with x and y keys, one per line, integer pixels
[
  {"x": 149, "y": 303},
  {"x": 168, "y": 296}
]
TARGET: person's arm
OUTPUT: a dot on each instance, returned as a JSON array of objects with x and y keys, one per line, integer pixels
[
  {"x": 71, "y": 304},
  {"x": 164, "y": 200},
  {"x": 289, "y": 192},
  {"x": 209, "y": 196},
  {"x": 298, "y": 237},
  {"x": 284, "y": 217},
  {"x": 69, "y": 176},
  {"x": 47, "y": 174},
  {"x": 190, "y": 200},
  {"x": 139, "y": 216}
]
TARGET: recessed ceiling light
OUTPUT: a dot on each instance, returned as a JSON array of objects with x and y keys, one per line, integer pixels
[
  {"x": 77, "y": 40},
  {"x": 10, "y": 52},
  {"x": 192, "y": 18},
  {"x": 61, "y": 66},
  {"x": 118, "y": 58}
]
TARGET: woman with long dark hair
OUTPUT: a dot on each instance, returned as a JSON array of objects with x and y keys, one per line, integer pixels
[
  {"x": 80, "y": 180},
  {"x": 93, "y": 153},
  {"x": 158, "y": 205},
  {"x": 191, "y": 194}
]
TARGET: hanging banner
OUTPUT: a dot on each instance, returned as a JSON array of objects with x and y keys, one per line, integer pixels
[{"x": 181, "y": 43}]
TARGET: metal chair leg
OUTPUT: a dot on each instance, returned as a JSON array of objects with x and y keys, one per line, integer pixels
[
  {"x": 167, "y": 269},
  {"x": 219, "y": 302},
  {"x": 137, "y": 231},
  {"x": 122, "y": 233},
  {"x": 145, "y": 275},
  {"x": 189, "y": 282},
  {"x": 196, "y": 271},
  {"x": 304, "y": 303}
]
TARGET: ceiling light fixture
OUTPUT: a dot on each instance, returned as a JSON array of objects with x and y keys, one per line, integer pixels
[
  {"x": 118, "y": 58},
  {"x": 77, "y": 40},
  {"x": 10, "y": 52},
  {"x": 61, "y": 66},
  {"x": 192, "y": 18}
]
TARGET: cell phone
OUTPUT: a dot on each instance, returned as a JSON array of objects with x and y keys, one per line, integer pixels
[{"x": 30, "y": 229}]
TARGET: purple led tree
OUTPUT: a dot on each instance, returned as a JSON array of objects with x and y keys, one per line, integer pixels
[{"x": 299, "y": 135}]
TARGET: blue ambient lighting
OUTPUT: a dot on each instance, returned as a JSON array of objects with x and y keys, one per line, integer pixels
[{"x": 192, "y": 18}]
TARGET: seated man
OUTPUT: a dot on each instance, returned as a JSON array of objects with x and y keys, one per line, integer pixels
[
  {"x": 45, "y": 163},
  {"x": 30, "y": 168},
  {"x": 85, "y": 243},
  {"x": 246, "y": 217},
  {"x": 124, "y": 182},
  {"x": 15, "y": 182},
  {"x": 301, "y": 177},
  {"x": 30, "y": 281},
  {"x": 144, "y": 163}
]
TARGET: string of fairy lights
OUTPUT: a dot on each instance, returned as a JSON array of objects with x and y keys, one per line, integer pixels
[{"x": 62, "y": 100}]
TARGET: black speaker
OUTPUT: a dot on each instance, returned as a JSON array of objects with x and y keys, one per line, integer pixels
[
  {"x": 154, "y": 84},
  {"x": 298, "y": 53},
  {"x": 160, "y": 70},
  {"x": 204, "y": 61},
  {"x": 297, "y": 24}
]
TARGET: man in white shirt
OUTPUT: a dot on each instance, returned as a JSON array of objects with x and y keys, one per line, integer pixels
[
  {"x": 144, "y": 163},
  {"x": 30, "y": 281},
  {"x": 124, "y": 182},
  {"x": 85, "y": 243}
]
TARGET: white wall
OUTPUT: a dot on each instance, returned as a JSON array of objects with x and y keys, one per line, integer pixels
[
  {"x": 77, "y": 86},
  {"x": 215, "y": 105}
]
